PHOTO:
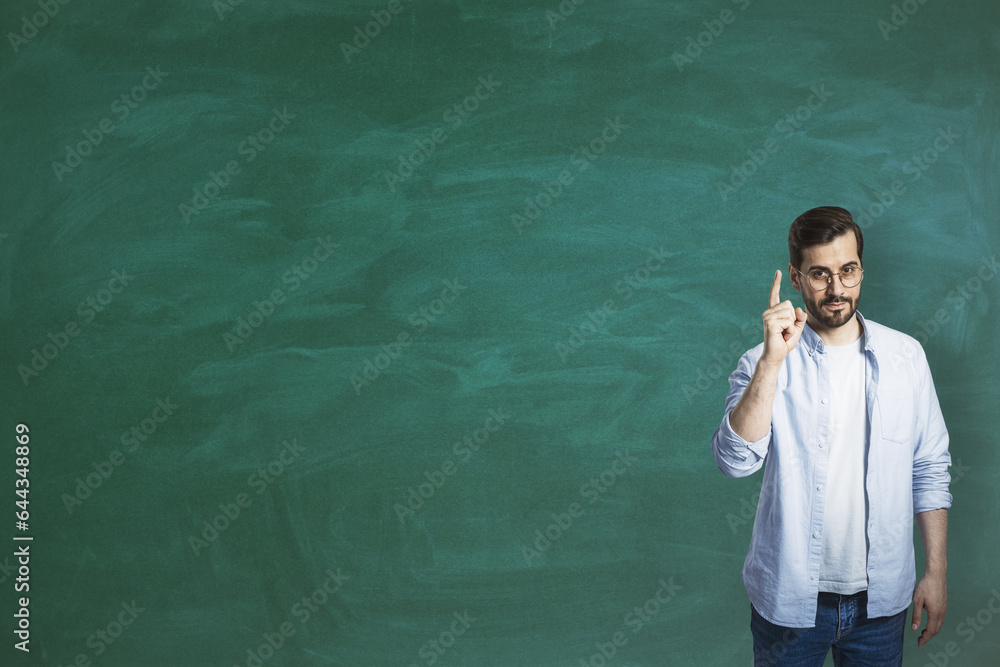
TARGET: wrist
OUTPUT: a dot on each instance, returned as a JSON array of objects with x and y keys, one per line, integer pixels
[
  {"x": 769, "y": 367},
  {"x": 936, "y": 570}
]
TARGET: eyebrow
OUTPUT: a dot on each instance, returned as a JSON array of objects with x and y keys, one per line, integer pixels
[{"x": 826, "y": 268}]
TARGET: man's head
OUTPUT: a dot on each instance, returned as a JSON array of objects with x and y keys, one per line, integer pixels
[{"x": 821, "y": 242}]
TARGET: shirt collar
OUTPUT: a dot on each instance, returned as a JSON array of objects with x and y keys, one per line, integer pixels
[{"x": 814, "y": 344}]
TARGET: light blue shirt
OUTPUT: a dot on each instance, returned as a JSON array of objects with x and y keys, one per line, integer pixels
[{"x": 907, "y": 472}]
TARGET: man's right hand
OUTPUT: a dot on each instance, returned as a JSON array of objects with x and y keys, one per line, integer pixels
[{"x": 783, "y": 326}]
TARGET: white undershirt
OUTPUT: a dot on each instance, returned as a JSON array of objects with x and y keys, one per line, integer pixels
[{"x": 845, "y": 553}]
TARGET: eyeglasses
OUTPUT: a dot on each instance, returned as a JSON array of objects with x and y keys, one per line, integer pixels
[{"x": 820, "y": 279}]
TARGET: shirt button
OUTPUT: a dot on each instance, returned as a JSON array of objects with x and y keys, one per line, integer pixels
[
  {"x": 821, "y": 445},
  {"x": 823, "y": 401},
  {"x": 819, "y": 487},
  {"x": 816, "y": 534},
  {"x": 813, "y": 577}
]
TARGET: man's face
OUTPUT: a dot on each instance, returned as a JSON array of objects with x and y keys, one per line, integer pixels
[{"x": 835, "y": 305}]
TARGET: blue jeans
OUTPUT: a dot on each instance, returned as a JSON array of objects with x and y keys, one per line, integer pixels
[{"x": 842, "y": 624}]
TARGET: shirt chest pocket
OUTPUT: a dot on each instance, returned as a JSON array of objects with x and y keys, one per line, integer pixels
[{"x": 898, "y": 418}]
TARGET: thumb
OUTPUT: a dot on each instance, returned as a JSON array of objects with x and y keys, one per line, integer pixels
[
  {"x": 800, "y": 318},
  {"x": 918, "y": 607}
]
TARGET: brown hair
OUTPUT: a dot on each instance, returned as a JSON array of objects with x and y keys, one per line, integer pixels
[{"x": 819, "y": 226}]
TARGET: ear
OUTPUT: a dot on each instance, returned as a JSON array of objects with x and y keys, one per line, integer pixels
[{"x": 794, "y": 275}]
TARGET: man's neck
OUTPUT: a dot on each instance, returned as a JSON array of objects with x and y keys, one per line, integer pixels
[{"x": 837, "y": 336}]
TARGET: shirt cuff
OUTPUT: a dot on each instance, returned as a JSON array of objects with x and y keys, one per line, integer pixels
[{"x": 737, "y": 443}]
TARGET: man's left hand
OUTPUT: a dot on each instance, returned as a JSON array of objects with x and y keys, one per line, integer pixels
[{"x": 931, "y": 594}]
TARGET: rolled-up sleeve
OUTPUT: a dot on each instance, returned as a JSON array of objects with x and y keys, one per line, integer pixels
[
  {"x": 735, "y": 456},
  {"x": 931, "y": 458}
]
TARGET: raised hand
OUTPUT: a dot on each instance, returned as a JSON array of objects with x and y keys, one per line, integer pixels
[{"x": 782, "y": 326}]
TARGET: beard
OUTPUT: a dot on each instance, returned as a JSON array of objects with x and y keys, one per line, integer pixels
[{"x": 834, "y": 319}]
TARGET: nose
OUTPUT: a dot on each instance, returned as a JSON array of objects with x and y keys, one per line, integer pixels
[{"x": 835, "y": 288}]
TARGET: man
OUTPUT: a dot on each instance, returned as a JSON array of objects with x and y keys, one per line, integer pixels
[{"x": 843, "y": 412}]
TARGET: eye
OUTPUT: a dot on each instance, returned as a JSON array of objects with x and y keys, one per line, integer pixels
[
  {"x": 819, "y": 275},
  {"x": 849, "y": 271}
]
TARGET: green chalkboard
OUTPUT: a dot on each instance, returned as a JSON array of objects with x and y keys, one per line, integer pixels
[{"x": 395, "y": 332}]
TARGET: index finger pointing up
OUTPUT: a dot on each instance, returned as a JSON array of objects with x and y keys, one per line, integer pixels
[{"x": 776, "y": 289}]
